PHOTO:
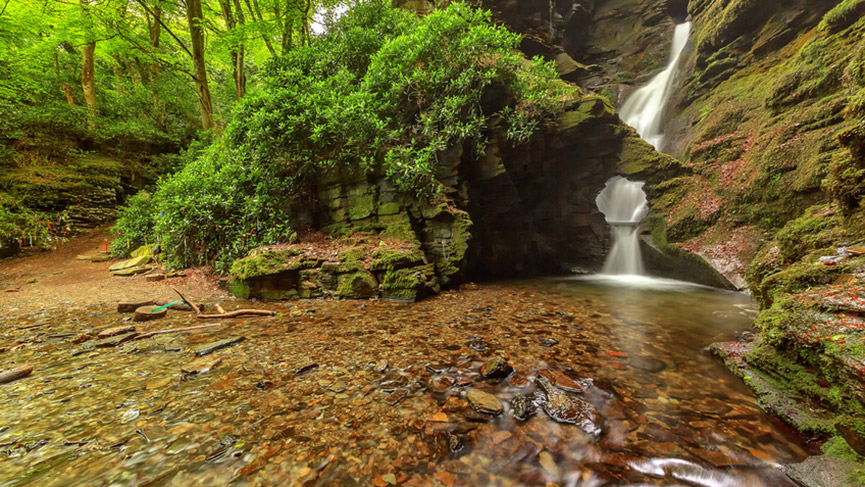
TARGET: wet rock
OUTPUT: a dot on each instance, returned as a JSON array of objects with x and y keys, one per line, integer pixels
[
  {"x": 396, "y": 396},
  {"x": 478, "y": 344},
  {"x": 116, "y": 341},
  {"x": 306, "y": 369},
  {"x": 201, "y": 365},
  {"x": 496, "y": 368},
  {"x": 484, "y": 403},
  {"x": 649, "y": 364},
  {"x": 381, "y": 366},
  {"x": 524, "y": 406},
  {"x": 565, "y": 409},
  {"x": 212, "y": 347},
  {"x": 131, "y": 306},
  {"x": 561, "y": 380},
  {"x": 822, "y": 471},
  {"x": 117, "y": 330},
  {"x": 853, "y": 438},
  {"x": 547, "y": 342}
]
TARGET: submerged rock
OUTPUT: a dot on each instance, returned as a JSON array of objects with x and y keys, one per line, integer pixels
[
  {"x": 496, "y": 368},
  {"x": 565, "y": 409},
  {"x": 212, "y": 347},
  {"x": 524, "y": 406},
  {"x": 561, "y": 380},
  {"x": 485, "y": 403}
]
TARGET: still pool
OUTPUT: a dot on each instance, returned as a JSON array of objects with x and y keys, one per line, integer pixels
[{"x": 364, "y": 393}]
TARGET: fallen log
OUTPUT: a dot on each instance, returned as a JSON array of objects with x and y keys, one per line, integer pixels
[
  {"x": 239, "y": 312},
  {"x": 194, "y": 307},
  {"x": 175, "y": 330},
  {"x": 15, "y": 374}
]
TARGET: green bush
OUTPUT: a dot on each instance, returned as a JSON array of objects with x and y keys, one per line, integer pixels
[
  {"x": 381, "y": 90},
  {"x": 17, "y": 221}
]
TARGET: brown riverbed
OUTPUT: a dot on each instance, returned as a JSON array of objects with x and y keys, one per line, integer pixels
[{"x": 373, "y": 393}]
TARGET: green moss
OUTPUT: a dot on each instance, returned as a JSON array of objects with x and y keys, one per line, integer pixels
[
  {"x": 639, "y": 159},
  {"x": 409, "y": 284},
  {"x": 843, "y": 15},
  {"x": 264, "y": 262},
  {"x": 391, "y": 259},
  {"x": 359, "y": 284}
]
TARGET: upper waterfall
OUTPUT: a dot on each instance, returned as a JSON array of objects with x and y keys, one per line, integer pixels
[{"x": 644, "y": 110}]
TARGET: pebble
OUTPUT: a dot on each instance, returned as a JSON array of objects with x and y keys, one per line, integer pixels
[{"x": 484, "y": 403}]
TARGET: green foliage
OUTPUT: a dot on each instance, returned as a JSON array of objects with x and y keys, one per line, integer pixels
[
  {"x": 17, "y": 221},
  {"x": 386, "y": 87},
  {"x": 134, "y": 228},
  {"x": 219, "y": 207},
  {"x": 382, "y": 89}
]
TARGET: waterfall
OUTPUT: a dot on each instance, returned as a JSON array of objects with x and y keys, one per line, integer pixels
[
  {"x": 624, "y": 205},
  {"x": 644, "y": 110}
]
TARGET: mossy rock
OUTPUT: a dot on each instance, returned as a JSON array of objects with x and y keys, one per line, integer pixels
[
  {"x": 391, "y": 259},
  {"x": 409, "y": 284},
  {"x": 264, "y": 262},
  {"x": 130, "y": 263},
  {"x": 359, "y": 284}
]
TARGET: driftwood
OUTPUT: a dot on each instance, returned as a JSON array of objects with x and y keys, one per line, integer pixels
[
  {"x": 190, "y": 303},
  {"x": 175, "y": 330},
  {"x": 14, "y": 374},
  {"x": 219, "y": 308},
  {"x": 239, "y": 312}
]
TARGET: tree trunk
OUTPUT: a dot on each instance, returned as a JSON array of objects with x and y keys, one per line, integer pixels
[
  {"x": 239, "y": 65},
  {"x": 236, "y": 52},
  {"x": 68, "y": 91},
  {"x": 196, "y": 32},
  {"x": 158, "y": 106},
  {"x": 88, "y": 82},
  {"x": 259, "y": 18},
  {"x": 287, "y": 27}
]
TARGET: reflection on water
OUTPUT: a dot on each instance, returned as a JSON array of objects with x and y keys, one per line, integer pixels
[{"x": 374, "y": 393}]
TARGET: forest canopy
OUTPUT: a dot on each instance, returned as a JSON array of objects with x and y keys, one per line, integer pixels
[{"x": 381, "y": 90}]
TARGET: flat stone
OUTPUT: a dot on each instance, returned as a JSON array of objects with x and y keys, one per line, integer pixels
[
  {"x": 212, "y": 347},
  {"x": 395, "y": 396},
  {"x": 133, "y": 262},
  {"x": 565, "y": 409},
  {"x": 484, "y": 403},
  {"x": 649, "y": 364},
  {"x": 496, "y": 368},
  {"x": 132, "y": 271},
  {"x": 117, "y": 330},
  {"x": 129, "y": 307},
  {"x": 100, "y": 258},
  {"x": 155, "y": 277},
  {"x": 116, "y": 341},
  {"x": 201, "y": 365},
  {"x": 560, "y": 380}
]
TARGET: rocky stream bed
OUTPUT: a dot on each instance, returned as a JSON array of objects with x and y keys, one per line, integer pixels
[{"x": 611, "y": 385}]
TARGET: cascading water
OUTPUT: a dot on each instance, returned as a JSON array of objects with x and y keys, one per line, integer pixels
[
  {"x": 624, "y": 205},
  {"x": 644, "y": 110}
]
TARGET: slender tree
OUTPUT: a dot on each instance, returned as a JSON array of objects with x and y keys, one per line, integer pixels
[{"x": 196, "y": 32}]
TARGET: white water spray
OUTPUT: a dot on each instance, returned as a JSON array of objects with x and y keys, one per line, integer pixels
[
  {"x": 644, "y": 110},
  {"x": 624, "y": 205}
]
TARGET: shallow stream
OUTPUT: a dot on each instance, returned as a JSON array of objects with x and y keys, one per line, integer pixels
[{"x": 374, "y": 393}]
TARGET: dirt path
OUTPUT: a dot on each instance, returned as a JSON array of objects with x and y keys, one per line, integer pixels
[{"x": 62, "y": 280}]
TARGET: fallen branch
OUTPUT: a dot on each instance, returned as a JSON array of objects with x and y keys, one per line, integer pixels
[
  {"x": 190, "y": 303},
  {"x": 13, "y": 374},
  {"x": 175, "y": 330},
  {"x": 240, "y": 312},
  {"x": 219, "y": 308}
]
